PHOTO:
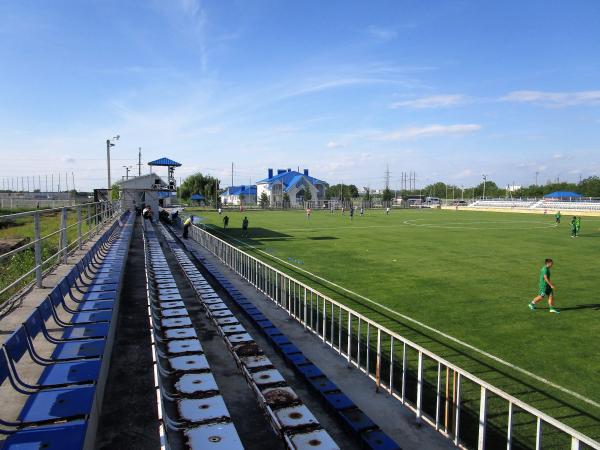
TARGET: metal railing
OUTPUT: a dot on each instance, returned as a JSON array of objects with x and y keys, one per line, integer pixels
[
  {"x": 434, "y": 388},
  {"x": 65, "y": 237}
]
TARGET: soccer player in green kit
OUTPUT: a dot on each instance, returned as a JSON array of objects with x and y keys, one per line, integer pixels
[
  {"x": 574, "y": 228},
  {"x": 546, "y": 288}
]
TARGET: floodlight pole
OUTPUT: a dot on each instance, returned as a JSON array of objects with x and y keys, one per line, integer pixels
[
  {"x": 484, "y": 180},
  {"x": 109, "y": 144}
]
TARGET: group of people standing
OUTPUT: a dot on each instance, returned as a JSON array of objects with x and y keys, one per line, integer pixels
[{"x": 575, "y": 224}]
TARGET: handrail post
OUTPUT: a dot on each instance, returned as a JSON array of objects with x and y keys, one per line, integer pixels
[
  {"x": 88, "y": 221},
  {"x": 37, "y": 249},
  {"x": 63, "y": 233},
  {"x": 419, "y": 387},
  {"x": 482, "y": 418},
  {"x": 79, "y": 241}
]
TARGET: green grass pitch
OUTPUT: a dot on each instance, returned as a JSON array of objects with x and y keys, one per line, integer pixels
[{"x": 468, "y": 274}]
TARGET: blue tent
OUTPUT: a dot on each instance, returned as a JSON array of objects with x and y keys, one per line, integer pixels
[{"x": 563, "y": 194}]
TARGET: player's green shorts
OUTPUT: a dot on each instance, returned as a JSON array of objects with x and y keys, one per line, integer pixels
[{"x": 545, "y": 291}]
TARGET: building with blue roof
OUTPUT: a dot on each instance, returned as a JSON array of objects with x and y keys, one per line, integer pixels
[
  {"x": 294, "y": 184},
  {"x": 237, "y": 195}
]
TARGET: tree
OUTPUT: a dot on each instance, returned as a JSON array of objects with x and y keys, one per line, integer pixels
[
  {"x": 307, "y": 193},
  {"x": 286, "y": 200},
  {"x": 387, "y": 195},
  {"x": 264, "y": 200},
  {"x": 242, "y": 198},
  {"x": 200, "y": 184},
  {"x": 367, "y": 196},
  {"x": 491, "y": 190},
  {"x": 340, "y": 191},
  {"x": 589, "y": 187},
  {"x": 114, "y": 192}
]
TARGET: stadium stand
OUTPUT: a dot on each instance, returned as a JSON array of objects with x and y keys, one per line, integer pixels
[
  {"x": 188, "y": 397},
  {"x": 289, "y": 417},
  {"x": 65, "y": 345},
  {"x": 567, "y": 206},
  {"x": 277, "y": 399}
]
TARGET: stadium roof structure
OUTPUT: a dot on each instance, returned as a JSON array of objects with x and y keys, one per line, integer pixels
[
  {"x": 240, "y": 190},
  {"x": 165, "y": 162},
  {"x": 563, "y": 194},
  {"x": 197, "y": 197},
  {"x": 289, "y": 178}
]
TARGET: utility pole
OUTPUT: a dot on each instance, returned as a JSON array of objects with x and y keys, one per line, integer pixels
[
  {"x": 67, "y": 180},
  {"x": 127, "y": 169},
  {"x": 46, "y": 183},
  {"x": 59, "y": 182},
  {"x": 139, "y": 161},
  {"x": 52, "y": 183},
  {"x": 387, "y": 177},
  {"x": 232, "y": 173},
  {"x": 536, "y": 178},
  {"x": 73, "y": 180}
]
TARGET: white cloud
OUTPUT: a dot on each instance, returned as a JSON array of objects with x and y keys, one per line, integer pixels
[
  {"x": 333, "y": 144},
  {"x": 462, "y": 174},
  {"x": 430, "y": 131},
  {"x": 433, "y": 101},
  {"x": 554, "y": 99},
  {"x": 382, "y": 34}
]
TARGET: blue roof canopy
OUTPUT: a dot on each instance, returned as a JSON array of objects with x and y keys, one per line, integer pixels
[
  {"x": 197, "y": 197},
  {"x": 563, "y": 194},
  {"x": 288, "y": 177},
  {"x": 164, "y": 162},
  {"x": 239, "y": 190}
]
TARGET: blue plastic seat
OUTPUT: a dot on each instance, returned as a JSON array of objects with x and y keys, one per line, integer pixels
[
  {"x": 378, "y": 440},
  {"x": 338, "y": 400},
  {"x": 92, "y": 330},
  {"x": 289, "y": 349},
  {"x": 50, "y": 404},
  {"x": 58, "y": 404},
  {"x": 323, "y": 384},
  {"x": 64, "y": 350},
  {"x": 65, "y": 436},
  {"x": 310, "y": 371},
  {"x": 357, "y": 420},
  {"x": 54, "y": 374},
  {"x": 280, "y": 340}
]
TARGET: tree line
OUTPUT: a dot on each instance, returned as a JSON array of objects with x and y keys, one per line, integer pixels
[{"x": 588, "y": 187}]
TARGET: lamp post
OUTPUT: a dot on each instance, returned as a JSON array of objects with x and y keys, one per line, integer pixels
[
  {"x": 127, "y": 169},
  {"x": 109, "y": 144},
  {"x": 484, "y": 180}
]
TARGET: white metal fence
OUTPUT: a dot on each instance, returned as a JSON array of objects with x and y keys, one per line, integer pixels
[
  {"x": 432, "y": 387},
  {"x": 14, "y": 203},
  {"x": 91, "y": 216}
]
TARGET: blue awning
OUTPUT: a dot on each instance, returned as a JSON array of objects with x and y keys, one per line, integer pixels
[
  {"x": 563, "y": 194},
  {"x": 164, "y": 162},
  {"x": 197, "y": 197}
]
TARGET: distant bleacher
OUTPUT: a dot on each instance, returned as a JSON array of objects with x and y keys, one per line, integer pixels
[
  {"x": 503, "y": 203},
  {"x": 554, "y": 205}
]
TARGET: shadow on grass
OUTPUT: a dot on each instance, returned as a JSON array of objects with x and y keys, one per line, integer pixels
[{"x": 322, "y": 238}]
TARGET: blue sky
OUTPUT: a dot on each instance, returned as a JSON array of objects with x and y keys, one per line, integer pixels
[{"x": 449, "y": 89}]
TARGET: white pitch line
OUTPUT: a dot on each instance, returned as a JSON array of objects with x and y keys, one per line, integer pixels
[{"x": 427, "y": 327}]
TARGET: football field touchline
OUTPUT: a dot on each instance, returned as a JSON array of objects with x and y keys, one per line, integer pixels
[{"x": 427, "y": 327}]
